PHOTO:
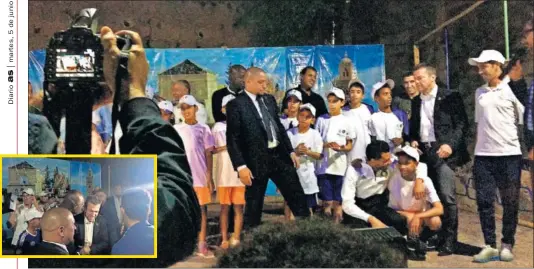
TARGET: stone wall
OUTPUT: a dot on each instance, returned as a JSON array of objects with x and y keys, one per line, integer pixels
[{"x": 164, "y": 24}]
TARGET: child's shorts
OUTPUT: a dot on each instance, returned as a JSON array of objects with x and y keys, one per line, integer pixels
[
  {"x": 203, "y": 195},
  {"x": 330, "y": 187},
  {"x": 231, "y": 195},
  {"x": 311, "y": 200}
]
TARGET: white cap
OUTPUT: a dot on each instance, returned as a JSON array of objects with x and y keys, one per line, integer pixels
[
  {"x": 309, "y": 107},
  {"x": 41, "y": 194},
  {"x": 379, "y": 85},
  {"x": 33, "y": 214},
  {"x": 166, "y": 105},
  {"x": 294, "y": 93},
  {"x": 188, "y": 99},
  {"x": 410, "y": 151},
  {"x": 486, "y": 56},
  {"x": 227, "y": 99},
  {"x": 356, "y": 81},
  {"x": 29, "y": 191},
  {"x": 337, "y": 92}
]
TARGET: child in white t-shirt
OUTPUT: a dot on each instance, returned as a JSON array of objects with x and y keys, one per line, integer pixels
[
  {"x": 359, "y": 115},
  {"x": 385, "y": 125},
  {"x": 293, "y": 101},
  {"x": 337, "y": 134},
  {"x": 308, "y": 145},
  {"x": 229, "y": 188}
]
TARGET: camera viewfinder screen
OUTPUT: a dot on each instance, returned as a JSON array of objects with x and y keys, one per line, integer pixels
[{"x": 75, "y": 65}]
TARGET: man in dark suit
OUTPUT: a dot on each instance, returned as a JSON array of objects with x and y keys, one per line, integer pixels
[
  {"x": 91, "y": 235},
  {"x": 57, "y": 228},
  {"x": 111, "y": 211},
  {"x": 438, "y": 128},
  {"x": 260, "y": 149},
  {"x": 235, "y": 86}
]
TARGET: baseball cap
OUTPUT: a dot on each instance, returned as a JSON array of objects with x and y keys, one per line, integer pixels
[
  {"x": 294, "y": 93},
  {"x": 379, "y": 85},
  {"x": 33, "y": 214},
  {"x": 337, "y": 92},
  {"x": 486, "y": 56},
  {"x": 227, "y": 99},
  {"x": 188, "y": 99},
  {"x": 309, "y": 107},
  {"x": 28, "y": 191},
  {"x": 166, "y": 105},
  {"x": 41, "y": 194},
  {"x": 408, "y": 150},
  {"x": 359, "y": 82}
]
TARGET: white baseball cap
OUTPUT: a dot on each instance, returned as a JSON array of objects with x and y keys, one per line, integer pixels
[
  {"x": 408, "y": 150},
  {"x": 227, "y": 99},
  {"x": 352, "y": 81},
  {"x": 486, "y": 56},
  {"x": 294, "y": 93},
  {"x": 337, "y": 92},
  {"x": 166, "y": 105},
  {"x": 309, "y": 107},
  {"x": 28, "y": 191},
  {"x": 188, "y": 99},
  {"x": 379, "y": 85},
  {"x": 43, "y": 193},
  {"x": 33, "y": 214}
]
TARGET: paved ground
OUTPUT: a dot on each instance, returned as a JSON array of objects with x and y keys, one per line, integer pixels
[{"x": 470, "y": 235}]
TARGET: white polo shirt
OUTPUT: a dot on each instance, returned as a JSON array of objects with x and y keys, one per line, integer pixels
[
  {"x": 401, "y": 194},
  {"x": 497, "y": 113}
]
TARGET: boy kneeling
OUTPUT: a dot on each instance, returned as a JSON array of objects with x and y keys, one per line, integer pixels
[{"x": 418, "y": 212}]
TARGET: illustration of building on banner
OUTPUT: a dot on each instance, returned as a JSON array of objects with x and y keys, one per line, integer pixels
[
  {"x": 203, "y": 82},
  {"x": 347, "y": 72},
  {"x": 89, "y": 181},
  {"x": 22, "y": 175}
]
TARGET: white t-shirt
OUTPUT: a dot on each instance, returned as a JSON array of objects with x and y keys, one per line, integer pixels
[
  {"x": 334, "y": 129},
  {"x": 201, "y": 115},
  {"x": 497, "y": 112},
  {"x": 225, "y": 175},
  {"x": 401, "y": 194},
  {"x": 386, "y": 126},
  {"x": 286, "y": 121},
  {"x": 359, "y": 145},
  {"x": 306, "y": 172}
]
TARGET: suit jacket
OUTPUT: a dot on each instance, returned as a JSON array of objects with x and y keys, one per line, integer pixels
[
  {"x": 246, "y": 136},
  {"x": 216, "y": 103},
  {"x": 137, "y": 240},
  {"x": 450, "y": 125},
  {"x": 100, "y": 245},
  {"x": 112, "y": 220},
  {"x": 46, "y": 248},
  {"x": 521, "y": 91}
]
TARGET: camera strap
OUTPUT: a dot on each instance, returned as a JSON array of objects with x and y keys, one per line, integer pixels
[{"x": 121, "y": 78}]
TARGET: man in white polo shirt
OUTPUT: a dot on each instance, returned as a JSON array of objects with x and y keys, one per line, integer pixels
[{"x": 497, "y": 154}]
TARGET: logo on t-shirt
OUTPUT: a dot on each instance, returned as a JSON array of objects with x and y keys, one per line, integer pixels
[{"x": 342, "y": 132}]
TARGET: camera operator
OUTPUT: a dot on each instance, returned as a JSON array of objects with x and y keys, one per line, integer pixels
[{"x": 145, "y": 132}]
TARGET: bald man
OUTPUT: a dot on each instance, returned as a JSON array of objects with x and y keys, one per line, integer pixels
[
  {"x": 57, "y": 228},
  {"x": 260, "y": 148}
]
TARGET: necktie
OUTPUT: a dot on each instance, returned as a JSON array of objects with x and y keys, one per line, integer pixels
[{"x": 268, "y": 121}]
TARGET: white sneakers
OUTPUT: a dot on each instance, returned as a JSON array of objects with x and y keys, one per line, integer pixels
[{"x": 489, "y": 254}]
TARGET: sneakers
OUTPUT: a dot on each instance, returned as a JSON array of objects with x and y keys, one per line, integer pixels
[
  {"x": 486, "y": 255},
  {"x": 203, "y": 250},
  {"x": 416, "y": 249},
  {"x": 506, "y": 254},
  {"x": 234, "y": 243}
]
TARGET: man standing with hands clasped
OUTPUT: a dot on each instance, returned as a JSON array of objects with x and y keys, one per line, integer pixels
[{"x": 260, "y": 149}]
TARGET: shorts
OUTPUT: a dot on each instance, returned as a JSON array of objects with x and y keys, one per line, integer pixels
[
  {"x": 203, "y": 195},
  {"x": 311, "y": 200},
  {"x": 231, "y": 195},
  {"x": 330, "y": 187}
]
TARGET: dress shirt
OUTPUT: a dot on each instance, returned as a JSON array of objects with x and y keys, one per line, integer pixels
[
  {"x": 88, "y": 231},
  {"x": 118, "y": 207},
  {"x": 427, "y": 116}
]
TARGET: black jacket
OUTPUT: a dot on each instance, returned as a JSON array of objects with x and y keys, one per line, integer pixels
[
  {"x": 246, "y": 136},
  {"x": 100, "y": 241},
  {"x": 178, "y": 209},
  {"x": 216, "y": 103},
  {"x": 450, "y": 125},
  {"x": 112, "y": 220},
  {"x": 520, "y": 89},
  {"x": 46, "y": 248}
]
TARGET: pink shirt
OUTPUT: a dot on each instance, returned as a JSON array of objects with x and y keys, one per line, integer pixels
[
  {"x": 225, "y": 175},
  {"x": 197, "y": 138}
]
